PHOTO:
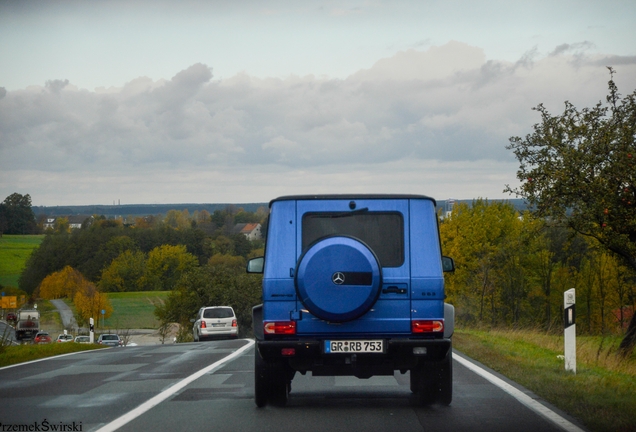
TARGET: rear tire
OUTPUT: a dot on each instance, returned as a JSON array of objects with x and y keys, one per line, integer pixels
[
  {"x": 433, "y": 382},
  {"x": 272, "y": 382},
  {"x": 445, "y": 396},
  {"x": 260, "y": 381}
]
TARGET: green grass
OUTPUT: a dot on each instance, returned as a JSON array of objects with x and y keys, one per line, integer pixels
[
  {"x": 14, "y": 252},
  {"x": 602, "y": 394},
  {"x": 23, "y": 353},
  {"x": 134, "y": 310}
]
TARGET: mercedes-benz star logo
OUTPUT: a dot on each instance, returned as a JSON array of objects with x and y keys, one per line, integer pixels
[{"x": 338, "y": 278}]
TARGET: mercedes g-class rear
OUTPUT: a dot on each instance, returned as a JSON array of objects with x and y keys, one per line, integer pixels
[{"x": 353, "y": 285}]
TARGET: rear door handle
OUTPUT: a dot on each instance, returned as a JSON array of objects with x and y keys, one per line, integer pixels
[{"x": 394, "y": 290}]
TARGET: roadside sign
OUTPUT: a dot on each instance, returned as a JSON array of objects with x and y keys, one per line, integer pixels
[
  {"x": 9, "y": 302},
  {"x": 569, "y": 322}
]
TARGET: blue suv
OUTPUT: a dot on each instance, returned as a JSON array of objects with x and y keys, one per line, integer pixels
[{"x": 353, "y": 285}]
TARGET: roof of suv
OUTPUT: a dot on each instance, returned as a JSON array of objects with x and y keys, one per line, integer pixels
[{"x": 350, "y": 197}]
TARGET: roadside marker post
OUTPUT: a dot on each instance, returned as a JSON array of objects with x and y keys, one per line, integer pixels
[
  {"x": 91, "y": 330},
  {"x": 569, "y": 321}
]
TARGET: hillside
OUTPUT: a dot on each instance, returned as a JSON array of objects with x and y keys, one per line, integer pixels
[{"x": 14, "y": 251}]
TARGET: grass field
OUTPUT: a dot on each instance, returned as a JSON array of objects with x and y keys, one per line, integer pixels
[
  {"x": 602, "y": 393},
  {"x": 135, "y": 310},
  {"x": 22, "y": 353},
  {"x": 14, "y": 252}
]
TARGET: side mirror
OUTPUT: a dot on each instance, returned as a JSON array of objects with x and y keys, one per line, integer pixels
[
  {"x": 255, "y": 265},
  {"x": 448, "y": 265}
]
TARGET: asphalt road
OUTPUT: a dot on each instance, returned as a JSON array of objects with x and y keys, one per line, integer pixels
[
  {"x": 91, "y": 390},
  {"x": 68, "y": 319},
  {"x": 7, "y": 332}
]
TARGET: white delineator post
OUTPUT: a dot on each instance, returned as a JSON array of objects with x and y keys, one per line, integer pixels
[
  {"x": 569, "y": 303},
  {"x": 91, "y": 329}
]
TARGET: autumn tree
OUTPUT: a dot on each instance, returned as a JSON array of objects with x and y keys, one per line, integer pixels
[
  {"x": 166, "y": 264},
  {"x": 491, "y": 246},
  {"x": 125, "y": 273},
  {"x": 62, "y": 284},
  {"x": 70, "y": 283},
  {"x": 578, "y": 169},
  {"x": 89, "y": 303}
]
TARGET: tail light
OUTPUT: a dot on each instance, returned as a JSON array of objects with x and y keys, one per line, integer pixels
[
  {"x": 203, "y": 324},
  {"x": 427, "y": 326},
  {"x": 234, "y": 323},
  {"x": 280, "y": 328}
]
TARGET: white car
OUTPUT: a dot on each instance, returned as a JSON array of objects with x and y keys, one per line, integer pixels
[
  {"x": 64, "y": 338},
  {"x": 83, "y": 339},
  {"x": 215, "y": 322}
]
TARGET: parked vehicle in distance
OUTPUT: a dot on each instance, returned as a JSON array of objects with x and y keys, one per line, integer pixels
[
  {"x": 64, "y": 338},
  {"x": 215, "y": 322},
  {"x": 83, "y": 339},
  {"x": 11, "y": 317},
  {"x": 110, "y": 340},
  {"x": 28, "y": 324},
  {"x": 42, "y": 338},
  {"x": 353, "y": 285}
]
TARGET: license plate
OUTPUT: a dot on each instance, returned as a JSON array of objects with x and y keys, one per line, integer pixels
[
  {"x": 218, "y": 325},
  {"x": 354, "y": 346}
]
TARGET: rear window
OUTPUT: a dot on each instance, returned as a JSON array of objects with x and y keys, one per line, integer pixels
[
  {"x": 383, "y": 232},
  {"x": 218, "y": 313},
  {"x": 110, "y": 337}
]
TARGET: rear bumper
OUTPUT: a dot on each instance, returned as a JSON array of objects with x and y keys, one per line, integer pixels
[
  {"x": 211, "y": 333},
  {"x": 309, "y": 355}
]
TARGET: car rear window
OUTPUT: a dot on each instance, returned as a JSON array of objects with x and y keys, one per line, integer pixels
[
  {"x": 110, "y": 337},
  {"x": 383, "y": 232},
  {"x": 218, "y": 313}
]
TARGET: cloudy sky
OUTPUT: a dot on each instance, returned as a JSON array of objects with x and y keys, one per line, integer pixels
[{"x": 243, "y": 101}]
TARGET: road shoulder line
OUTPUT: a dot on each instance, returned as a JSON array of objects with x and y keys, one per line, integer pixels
[{"x": 526, "y": 400}]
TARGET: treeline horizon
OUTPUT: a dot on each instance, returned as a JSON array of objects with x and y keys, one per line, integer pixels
[{"x": 124, "y": 210}]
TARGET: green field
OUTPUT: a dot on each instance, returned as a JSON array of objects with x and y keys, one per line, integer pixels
[
  {"x": 14, "y": 252},
  {"x": 135, "y": 310},
  {"x": 22, "y": 353}
]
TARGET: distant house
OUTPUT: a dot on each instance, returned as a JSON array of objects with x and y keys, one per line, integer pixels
[
  {"x": 74, "y": 221},
  {"x": 250, "y": 230},
  {"x": 49, "y": 223}
]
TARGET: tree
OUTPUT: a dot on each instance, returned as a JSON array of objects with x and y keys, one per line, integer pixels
[
  {"x": 125, "y": 273},
  {"x": 222, "y": 281},
  {"x": 578, "y": 169},
  {"x": 166, "y": 264},
  {"x": 63, "y": 283},
  {"x": 89, "y": 303},
  {"x": 16, "y": 215}
]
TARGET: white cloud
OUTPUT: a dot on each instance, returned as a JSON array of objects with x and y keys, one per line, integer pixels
[{"x": 434, "y": 121}]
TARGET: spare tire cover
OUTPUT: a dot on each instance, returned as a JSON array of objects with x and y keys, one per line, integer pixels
[{"x": 338, "y": 278}]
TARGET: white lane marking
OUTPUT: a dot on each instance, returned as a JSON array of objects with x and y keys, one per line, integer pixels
[
  {"x": 520, "y": 396},
  {"x": 150, "y": 403}
]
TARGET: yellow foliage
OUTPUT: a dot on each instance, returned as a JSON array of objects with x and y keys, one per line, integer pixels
[
  {"x": 227, "y": 260},
  {"x": 63, "y": 283},
  {"x": 70, "y": 283},
  {"x": 89, "y": 303}
]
